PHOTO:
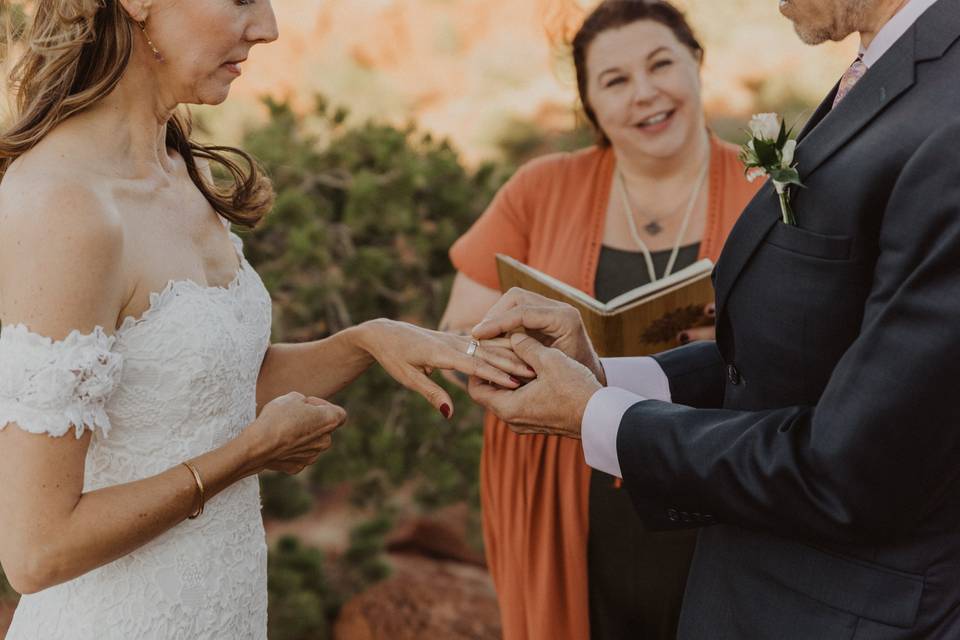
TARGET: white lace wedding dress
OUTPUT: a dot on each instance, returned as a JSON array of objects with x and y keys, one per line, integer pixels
[{"x": 165, "y": 388}]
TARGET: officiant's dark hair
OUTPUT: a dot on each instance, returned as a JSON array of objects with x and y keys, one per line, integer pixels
[{"x": 614, "y": 14}]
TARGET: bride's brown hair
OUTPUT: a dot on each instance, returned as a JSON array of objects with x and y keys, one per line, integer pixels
[{"x": 75, "y": 52}]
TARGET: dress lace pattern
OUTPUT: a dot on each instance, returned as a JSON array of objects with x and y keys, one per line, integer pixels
[
  {"x": 167, "y": 387},
  {"x": 48, "y": 386}
]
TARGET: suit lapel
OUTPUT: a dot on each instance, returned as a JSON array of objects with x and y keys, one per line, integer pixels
[
  {"x": 829, "y": 129},
  {"x": 757, "y": 218},
  {"x": 890, "y": 77},
  {"x": 819, "y": 114}
]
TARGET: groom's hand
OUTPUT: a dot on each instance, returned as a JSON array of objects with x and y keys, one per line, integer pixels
[
  {"x": 553, "y": 403},
  {"x": 555, "y": 324}
]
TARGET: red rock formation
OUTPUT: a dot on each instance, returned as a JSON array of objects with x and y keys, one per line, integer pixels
[
  {"x": 424, "y": 599},
  {"x": 439, "y": 587}
]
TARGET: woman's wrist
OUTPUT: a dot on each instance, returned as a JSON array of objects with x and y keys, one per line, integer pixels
[
  {"x": 248, "y": 454},
  {"x": 364, "y": 335}
]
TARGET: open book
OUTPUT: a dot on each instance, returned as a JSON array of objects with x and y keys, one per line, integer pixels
[{"x": 639, "y": 322}]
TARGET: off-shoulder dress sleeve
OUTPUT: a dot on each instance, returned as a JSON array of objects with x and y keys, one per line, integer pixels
[{"x": 50, "y": 387}]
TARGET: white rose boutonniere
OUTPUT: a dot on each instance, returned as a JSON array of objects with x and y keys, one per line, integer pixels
[{"x": 770, "y": 152}]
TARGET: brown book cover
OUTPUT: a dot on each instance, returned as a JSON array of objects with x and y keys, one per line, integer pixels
[{"x": 639, "y": 322}]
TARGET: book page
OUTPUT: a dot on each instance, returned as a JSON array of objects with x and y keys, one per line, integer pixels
[{"x": 688, "y": 273}]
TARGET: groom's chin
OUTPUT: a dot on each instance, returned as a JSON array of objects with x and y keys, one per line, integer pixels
[
  {"x": 807, "y": 32},
  {"x": 811, "y": 36}
]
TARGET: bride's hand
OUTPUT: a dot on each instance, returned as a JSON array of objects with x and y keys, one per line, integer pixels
[
  {"x": 410, "y": 354},
  {"x": 292, "y": 431}
]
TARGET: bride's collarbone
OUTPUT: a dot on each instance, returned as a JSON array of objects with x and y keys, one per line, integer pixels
[{"x": 164, "y": 249}]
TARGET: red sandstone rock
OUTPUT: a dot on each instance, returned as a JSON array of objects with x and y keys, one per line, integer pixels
[
  {"x": 425, "y": 599},
  {"x": 442, "y": 536}
]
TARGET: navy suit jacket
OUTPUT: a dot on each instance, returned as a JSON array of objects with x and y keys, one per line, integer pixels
[{"x": 818, "y": 441}]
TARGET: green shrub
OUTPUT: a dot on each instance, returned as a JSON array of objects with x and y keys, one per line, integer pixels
[
  {"x": 364, "y": 219},
  {"x": 284, "y": 497},
  {"x": 364, "y": 559},
  {"x": 301, "y": 601}
]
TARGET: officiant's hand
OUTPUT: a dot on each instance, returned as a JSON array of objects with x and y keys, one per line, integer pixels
[
  {"x": 555, "y": 324},
  {"x": 551, "y": 404},
  {"x": 410, "y": 354},
  {"x": 705, "y": 329}
]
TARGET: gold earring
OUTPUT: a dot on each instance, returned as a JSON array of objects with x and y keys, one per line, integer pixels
[{"x": 156, "y": 54}]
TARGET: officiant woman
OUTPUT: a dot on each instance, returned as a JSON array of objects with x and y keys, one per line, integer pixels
[{"x": 658, "y": 191}]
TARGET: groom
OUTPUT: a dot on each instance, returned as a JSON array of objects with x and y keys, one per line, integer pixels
[{"x": 818, "y": 441}]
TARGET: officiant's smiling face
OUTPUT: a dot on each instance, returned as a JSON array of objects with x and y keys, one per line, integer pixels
[
  {"x": 644, "y": 89},
  {"x": 817, "y": 21}
]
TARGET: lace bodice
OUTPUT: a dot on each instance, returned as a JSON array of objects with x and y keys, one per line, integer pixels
[{"x": 167, "y": 387}]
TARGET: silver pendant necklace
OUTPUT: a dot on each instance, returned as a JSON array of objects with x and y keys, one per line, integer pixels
[{"x": 654, "y": 227}]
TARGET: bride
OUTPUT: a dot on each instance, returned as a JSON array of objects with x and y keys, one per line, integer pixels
[{"x": 139, "y": 393}]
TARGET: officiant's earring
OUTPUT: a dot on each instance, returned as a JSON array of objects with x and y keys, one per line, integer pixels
[{"x": 156, "y": 54}]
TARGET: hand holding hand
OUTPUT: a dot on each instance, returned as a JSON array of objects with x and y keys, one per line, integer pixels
[
  {"x": 292, "y": 431},
  {"x": 555, "y": 324},
  {"x": 552, "y": 404},
  {"x": 410, "y": 354}
]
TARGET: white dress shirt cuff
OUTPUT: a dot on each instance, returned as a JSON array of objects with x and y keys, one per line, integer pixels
[
  {"x": 643, "y": 376},
  {"x": 601, "y": 422}
]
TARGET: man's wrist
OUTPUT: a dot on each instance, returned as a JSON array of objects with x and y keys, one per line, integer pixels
[
  {"x": 588, "y": 391},
  {"x": 600, "y": 426}
]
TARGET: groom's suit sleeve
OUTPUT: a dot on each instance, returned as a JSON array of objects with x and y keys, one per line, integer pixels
[
  {"x": 695, "y": 373},
  {"x": 880, "y": 449},
  {"x": 690, "y": 375}
]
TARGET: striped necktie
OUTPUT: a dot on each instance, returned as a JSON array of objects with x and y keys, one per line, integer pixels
[{"x": 849, "y": 79}]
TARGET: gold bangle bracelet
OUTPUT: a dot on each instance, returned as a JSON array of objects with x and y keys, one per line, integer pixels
[{"x": 199, "y": 481}]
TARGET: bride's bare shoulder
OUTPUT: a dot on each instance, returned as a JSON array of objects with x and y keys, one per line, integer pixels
[
  {"x": 61, "y": 240},
  {"x": 43, "y": 192}
]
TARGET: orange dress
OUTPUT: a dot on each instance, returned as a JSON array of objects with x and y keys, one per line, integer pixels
[{"x": 534, "y": 489}]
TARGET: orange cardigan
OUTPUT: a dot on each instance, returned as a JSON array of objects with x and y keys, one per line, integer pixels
[{"x": 534, "y": 489}]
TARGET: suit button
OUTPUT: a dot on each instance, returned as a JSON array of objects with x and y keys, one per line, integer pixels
[
  {"x": 733, "y": 374},
  {"x": 673, "y": 515}
]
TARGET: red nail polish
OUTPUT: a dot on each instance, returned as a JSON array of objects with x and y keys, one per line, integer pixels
[
  {"x": 445, "y": 410},
  {"x": 516, "y": 381}
]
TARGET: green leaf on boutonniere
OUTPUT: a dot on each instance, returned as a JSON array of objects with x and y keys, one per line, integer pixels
[
  {"x": 786, "y": 176},
  {"x": 784, "y": 134},
  {"x": 766, "y": 152}
]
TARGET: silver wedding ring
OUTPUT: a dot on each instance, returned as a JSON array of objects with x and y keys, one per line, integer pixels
[{"x": 472, "y": 347}]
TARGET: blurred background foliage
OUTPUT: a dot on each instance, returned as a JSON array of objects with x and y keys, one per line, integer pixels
[
  {"x": 301, "y": 599},
  {"x": 6, "y": 591},
  {"x": 364, "y": 218},
  {"x": 361, "y": 230}
]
